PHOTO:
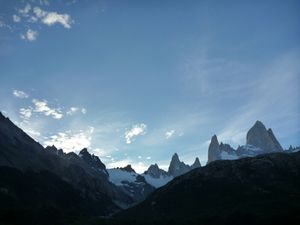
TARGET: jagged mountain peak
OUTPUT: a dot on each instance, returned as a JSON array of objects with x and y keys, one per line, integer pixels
[
  {"x": 84, "y": 151},
  {"x": 258, "y": 123},
  {"x": 258, "y": 140},
  {"x": 92, "y": 160},
  {"x": 128, "y": 168},
  {"x": 177, "y": 167},
  {"x": 155, "y": 172},
  {"x": 214, "y": 140},
  {"x": 196, "y": 164},
  {"x": 262, "y": 138},
  {"x": 213, "y": 149},
  {"x": 53, "y": 149},
  {"x": 175, "y": 158}
]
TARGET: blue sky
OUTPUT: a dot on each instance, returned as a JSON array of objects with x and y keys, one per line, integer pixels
[{"x": 136, "y": 81}]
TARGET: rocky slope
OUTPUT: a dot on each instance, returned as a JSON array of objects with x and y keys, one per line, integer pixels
[{"x": 85, "y": 173}]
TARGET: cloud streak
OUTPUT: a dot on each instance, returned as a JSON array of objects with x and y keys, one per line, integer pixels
[
  {"x": 41, "y": 106},
  {"x": 20, "y": 94},
  {"x": 74, "y": 110},
  {"x": 169, "y": 134},
  {"x": 136, "y": 130},
  {"x": 26, "y": 113}
]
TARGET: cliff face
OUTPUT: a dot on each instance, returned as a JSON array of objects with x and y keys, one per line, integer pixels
[
  {"x": 259, "y": 140},
  {"x": 214, "y": 150},
  {"x": 262, "y": 138}
]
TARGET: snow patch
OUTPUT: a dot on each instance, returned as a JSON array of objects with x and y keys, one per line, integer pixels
[
  {"x": 118, "y": 176},
  {"x": 157, "y": 182}
]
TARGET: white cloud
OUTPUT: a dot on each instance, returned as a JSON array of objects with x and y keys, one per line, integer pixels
[
  {"x": 41, "y": 106},
  {"x": 73, "y": 110},
  {"x": 39, "y": 12},
  {"x": 136, "y": 130},
  {"x": 83, "y": 110},
  {"x": 100, "y": 152},
  {"x": 16, "y": 18},
  {"x": 20, "y": 94},
  {"x": 70, "y": 141},
  {"x": 25, "y": 10},
  {"x": 169, "y": 134},
  {"x": 25, "y": 113},
  {"x": 31, "y": 35},
  {"x": 53, "y": 17}
]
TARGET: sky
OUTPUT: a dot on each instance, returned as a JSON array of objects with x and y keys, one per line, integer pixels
[{"x": 137, "y": 81}]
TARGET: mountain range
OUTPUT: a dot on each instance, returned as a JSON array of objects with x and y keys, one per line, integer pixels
[
  {"x": 47, "y": 186},
  {"x": 259, "y": 140}
]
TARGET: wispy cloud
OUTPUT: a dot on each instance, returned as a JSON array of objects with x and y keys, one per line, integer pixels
[
  {"x": 136, "y": 130},
  {"x": 83, "y": 110},
  {"x": 16, "y": 18},
  {"x": 51, "y": 18},
  {"x": 275, "y": 98},
  {"x": 25, "y": 113},
  {"x": 70, "y": 141},
  {"x": 20, "y": 94},
  {"x": 74, "y": 110},
  {"x": 31, "y": 35},
  {"x": 169, "y": 134},
  {"x": 41, "y": 106},
  {"x": 24, "y": 11},
  {"x": 31, "y": 16}
]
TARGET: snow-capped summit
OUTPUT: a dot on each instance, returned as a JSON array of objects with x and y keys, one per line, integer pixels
[{"x": 132, "y": 183}]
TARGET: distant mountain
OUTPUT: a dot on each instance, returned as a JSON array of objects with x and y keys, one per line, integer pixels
[
  {"x": 156, "y": 177},
  {"x": 177, "y": 167},
  {"x": 139, "y": 186},
  {"x": 259, "y": 140},
  {"x": 261, "y": 190},
  {"x": 262, "y": 138},
  {"x": 84, "y": 171},
  {"x": 196, "y": 164},
  {"x": 132, "y": 183},
  {"x": 47, "y": 186}
]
